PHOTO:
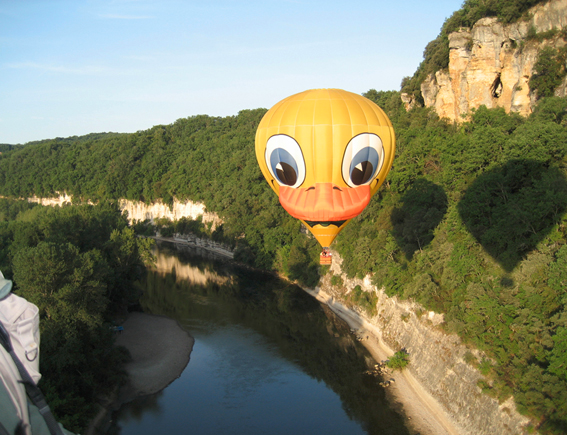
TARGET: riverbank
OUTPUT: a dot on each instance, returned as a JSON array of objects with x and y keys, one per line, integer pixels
[
  {"x": 426, "y": 417},
  {"x": 433, "y": 393},
  {"x": 425, "y": 414},
  {"x": 197, "y": 243},
  {"x": 160, "y": 351}
]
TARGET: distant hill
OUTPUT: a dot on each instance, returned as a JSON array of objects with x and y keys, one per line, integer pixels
[
  {"x": 70, "y": 139},
  {"x": 471, "y": 221},
  {"x": 83, "y": 138},
  {"x": 4, "y": 147}
]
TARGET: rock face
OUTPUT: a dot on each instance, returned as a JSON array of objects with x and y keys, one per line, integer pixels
[
  {"x": 438, "y": 361},
  {"x": 140, "y": 211},
  {"x": 491, "y": 64}
]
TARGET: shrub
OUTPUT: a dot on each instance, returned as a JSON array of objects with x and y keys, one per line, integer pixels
[
  {"x": 399, "y": 360},
  {"x": 365, "y": 300},
  {"x": 549, "y": 71},
  {"x": 336, "y": 280}
]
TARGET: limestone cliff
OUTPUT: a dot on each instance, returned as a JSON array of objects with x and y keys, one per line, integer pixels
[
  {"x": 438, "y": 361},
  {"x": 141, "y": 211},
  {"x": 491, "y": 64}
]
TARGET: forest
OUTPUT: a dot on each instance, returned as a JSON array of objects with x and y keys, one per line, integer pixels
[
  {"x": 78, "y": 265},
  {"x": 471, "y": 223}
]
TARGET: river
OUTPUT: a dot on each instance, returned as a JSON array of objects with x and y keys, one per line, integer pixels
[{"x": 268, "y": 358}]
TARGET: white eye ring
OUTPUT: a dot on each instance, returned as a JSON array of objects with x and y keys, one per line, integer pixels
[
  {"x": 363, "y": 159},
  {"x": 285, "y": 160}
]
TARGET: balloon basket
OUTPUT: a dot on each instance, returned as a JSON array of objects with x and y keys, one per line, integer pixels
[{"x": 325, "y": 259}]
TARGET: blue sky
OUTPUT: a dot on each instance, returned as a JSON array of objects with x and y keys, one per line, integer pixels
[{"x": 72, "y": 67}]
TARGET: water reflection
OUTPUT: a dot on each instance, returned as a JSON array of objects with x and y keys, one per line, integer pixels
[
  {"x": 184, "y": 272},
  {"x": 268, "y": 358},
  {"x": 136, "y": 410}
]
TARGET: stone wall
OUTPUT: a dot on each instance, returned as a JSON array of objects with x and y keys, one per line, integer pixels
[{"x": 203, "y": 244}]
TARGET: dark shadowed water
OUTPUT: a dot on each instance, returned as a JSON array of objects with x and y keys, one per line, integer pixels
[{"x": 268, "y": 359}]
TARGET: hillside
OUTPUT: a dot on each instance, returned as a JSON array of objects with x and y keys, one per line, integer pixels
[{"x": 471, "y": 221}]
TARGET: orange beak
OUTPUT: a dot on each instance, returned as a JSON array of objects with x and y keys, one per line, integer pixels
[
  {"x": 325, "y": 207},
  {"x": 324, "y": 202}
]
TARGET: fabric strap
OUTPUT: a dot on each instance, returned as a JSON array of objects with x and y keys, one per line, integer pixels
[{"x": 33, "y": 391}]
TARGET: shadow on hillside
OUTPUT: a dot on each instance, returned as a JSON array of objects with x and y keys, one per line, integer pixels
[
  {"x": 511, "y": 208},
  {"x": 423, "y": 208}
]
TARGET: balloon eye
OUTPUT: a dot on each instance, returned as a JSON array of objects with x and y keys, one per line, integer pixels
[
  {"x": 363, "y": 159},
  {"x": 285, "y": 160},
  {"x": 362, "y": 172},
  {"x": 287, "y": 174}
]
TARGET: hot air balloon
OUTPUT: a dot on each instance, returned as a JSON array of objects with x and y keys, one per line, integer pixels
[{"x": 325, "y": 152}]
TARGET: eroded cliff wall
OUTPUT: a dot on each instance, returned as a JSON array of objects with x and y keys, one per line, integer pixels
[
  {"x": 491, "y": 64},
  {"x": 437, "y": 359},
  {"x": 141, "y": 211}
]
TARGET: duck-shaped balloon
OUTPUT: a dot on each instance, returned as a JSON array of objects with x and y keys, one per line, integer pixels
[{"x": 325, "y": 152}]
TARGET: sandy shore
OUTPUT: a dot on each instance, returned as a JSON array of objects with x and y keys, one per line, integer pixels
[
  {"x": 160, "y": 351},
  {"x": 425, "y": 414}
]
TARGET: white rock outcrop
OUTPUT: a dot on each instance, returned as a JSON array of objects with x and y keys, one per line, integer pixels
[
  {"x": 491, "y": 64},
  {"x": 141, "y": 211}
]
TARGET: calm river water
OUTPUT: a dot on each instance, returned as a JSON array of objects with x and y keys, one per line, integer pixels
[{"x": 267, "y": 359}]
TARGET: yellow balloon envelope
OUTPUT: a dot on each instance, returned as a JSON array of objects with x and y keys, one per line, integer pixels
[{"x": 325, "y": 152}]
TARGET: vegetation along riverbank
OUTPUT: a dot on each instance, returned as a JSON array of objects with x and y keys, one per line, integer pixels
[{"x": 470, "y": 223}]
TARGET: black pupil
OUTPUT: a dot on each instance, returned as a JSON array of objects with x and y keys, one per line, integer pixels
[
  {"x": 362, "y": 173},
  {"x": 286, "y": 174}
]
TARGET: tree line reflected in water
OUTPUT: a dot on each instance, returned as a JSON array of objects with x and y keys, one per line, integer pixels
[{"x": 187, "y": 288}]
